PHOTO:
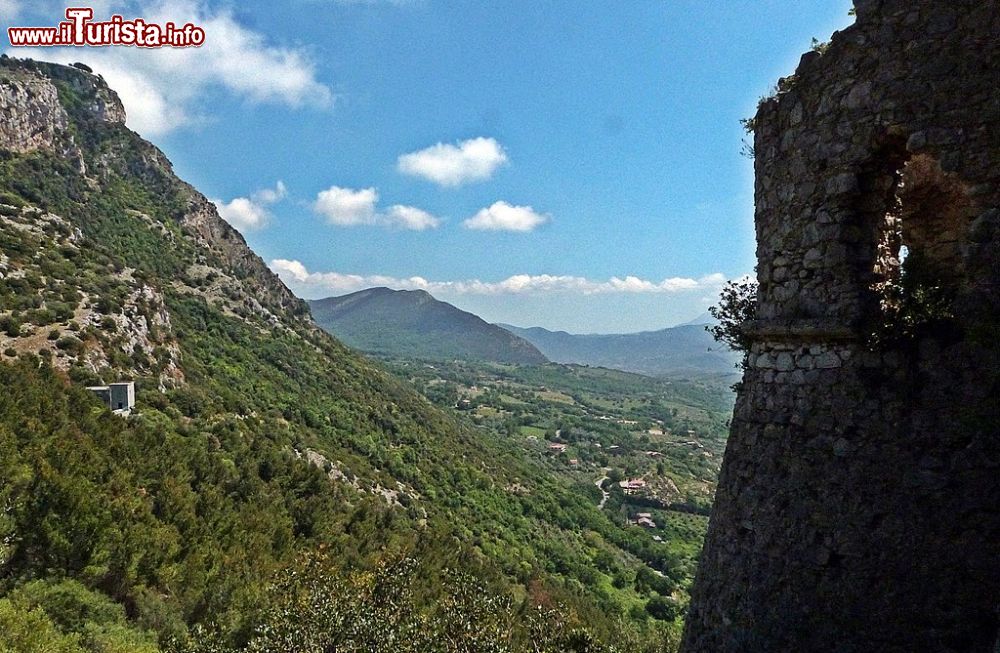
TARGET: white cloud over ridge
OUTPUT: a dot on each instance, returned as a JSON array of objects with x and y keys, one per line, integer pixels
[
  {"x": 162, "y": 89},
  {"x": 348, "y": 207},
  {"x": 501, "y": 216},
  {"x": 296, "y": 274},
  {"x": 475, "y": 159},
  {"x": 251, "y": 213}
]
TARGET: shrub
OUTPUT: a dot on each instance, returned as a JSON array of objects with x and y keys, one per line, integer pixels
[
  {"x": 11, "y": 326},
  {"x": 663, "y": 608},
  {"x": 737, "y": 307},
  {"x": 6, "y": 197},
  {"x": 70, "y": 344}
]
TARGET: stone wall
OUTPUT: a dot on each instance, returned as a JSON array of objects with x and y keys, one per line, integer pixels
[{"x": 858, "y": 508}]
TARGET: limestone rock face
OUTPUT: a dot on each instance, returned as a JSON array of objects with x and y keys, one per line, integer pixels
[
  {"x": 858, "y": 507},
  {"x": 31, "y": 117}
]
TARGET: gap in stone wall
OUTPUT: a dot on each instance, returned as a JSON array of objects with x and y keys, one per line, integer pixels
[{"x": 918, "y": 216}]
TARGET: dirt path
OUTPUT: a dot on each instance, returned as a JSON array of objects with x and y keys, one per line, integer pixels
[{"x": 600, "y": 486}]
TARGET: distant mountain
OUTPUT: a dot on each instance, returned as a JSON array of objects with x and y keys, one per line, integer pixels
[
  {"x": 701, "y": 320},
  {"x": 412, "y": 323},
  {"x": 680, "y": 350}
]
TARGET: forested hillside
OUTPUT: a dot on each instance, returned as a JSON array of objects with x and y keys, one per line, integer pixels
[{"x": 273, "y": 490}]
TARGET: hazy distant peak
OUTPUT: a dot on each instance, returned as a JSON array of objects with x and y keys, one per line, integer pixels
[
  {"x": 702, "y": 320},
  {"x": 682, "y": 350}
]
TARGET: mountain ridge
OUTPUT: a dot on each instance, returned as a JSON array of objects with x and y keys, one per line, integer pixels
[
  {"x": 412, "y": 323},
  {"x": 680, "y": 350}
]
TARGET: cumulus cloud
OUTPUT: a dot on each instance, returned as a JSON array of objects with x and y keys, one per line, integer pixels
[
  {"x": 295, "y": 273},
  {"x": 444, "y": 164},
  {"x": 163, "y": 89},
  {"x": 251, "y": 213},
  {"x": 348, "y": 207},
  {"x": 501, "y": 216},
  {"x": 409, "y": 217}
]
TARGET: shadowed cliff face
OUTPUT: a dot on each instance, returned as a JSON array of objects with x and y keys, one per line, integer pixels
[{"x": 857, "y": 505}]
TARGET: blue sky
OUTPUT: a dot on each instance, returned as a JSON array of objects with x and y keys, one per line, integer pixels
[{"x": 569, "y": 164}]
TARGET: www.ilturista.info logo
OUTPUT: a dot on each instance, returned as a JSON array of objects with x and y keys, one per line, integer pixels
[{"x": 78, "y": 30}]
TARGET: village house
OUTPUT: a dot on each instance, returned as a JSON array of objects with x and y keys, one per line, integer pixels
[
  {"x": 633, "y": 485},
  {"x": 557, "y": 447},
  {"x": 645, "y": 519}
]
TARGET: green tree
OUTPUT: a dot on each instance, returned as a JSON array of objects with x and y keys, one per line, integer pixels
[{"x": 737, "y": 307}]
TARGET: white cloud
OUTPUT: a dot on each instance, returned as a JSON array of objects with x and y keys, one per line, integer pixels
[
  {"x": 163, "y": 89},
  {"x": 295, "y": 273},
  {"x": 475, "y": 159},
  {"x": 272, "y": 195},
  {"x": 9, "y": 9},
  {"x": 250, "y": 213},
  {"x": 347, "y": 207},
  {"x": 501, "y": 216},
  {"x": 409, "y": 217}
]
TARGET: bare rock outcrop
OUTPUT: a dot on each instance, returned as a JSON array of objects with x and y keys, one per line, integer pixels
[{"x": 31, "y": 117}]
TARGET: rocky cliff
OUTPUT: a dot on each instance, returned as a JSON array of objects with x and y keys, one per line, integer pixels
[
  {"x": 56, "y": 117},
  {"x": 857, "y": 505}
]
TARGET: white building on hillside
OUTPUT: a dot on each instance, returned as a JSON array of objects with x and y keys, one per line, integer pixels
[{"x": 119, "y": 397}]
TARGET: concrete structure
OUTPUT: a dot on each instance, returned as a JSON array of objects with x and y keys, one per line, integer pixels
[
  {"x": 119, "y": 397},
  {"x": 858, "y": 507}
]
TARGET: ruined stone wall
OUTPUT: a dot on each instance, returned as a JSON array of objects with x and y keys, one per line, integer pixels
[{"x": 858, "y": 507}]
